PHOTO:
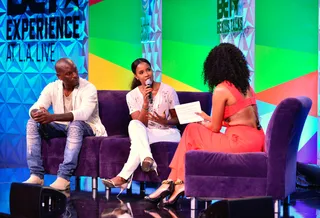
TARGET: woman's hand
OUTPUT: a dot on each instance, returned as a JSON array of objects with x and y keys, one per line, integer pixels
[
  {"x": 146, "y": 92},
  {"x": 161, "y": 119},
  {"x": 205, "y": 116},
  {"x": 207, "y": 124}
]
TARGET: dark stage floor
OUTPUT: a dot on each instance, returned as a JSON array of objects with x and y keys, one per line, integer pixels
[{"x": 304, "y": 203}]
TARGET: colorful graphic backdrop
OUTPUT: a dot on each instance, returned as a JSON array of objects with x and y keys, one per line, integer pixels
[
  {"x": 189, "y": 33},
  {"x": 287, "y": 62},
  {"x": 113, "y": 48},
  {"x": 115, "y": 30}
]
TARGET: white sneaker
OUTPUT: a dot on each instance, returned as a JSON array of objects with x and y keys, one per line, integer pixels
[
  {"x": 33, "y": 179},
  {"x": 61, "y": 184}
]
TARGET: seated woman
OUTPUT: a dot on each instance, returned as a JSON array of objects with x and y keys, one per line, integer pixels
[
  {"x": 233, "y": 105},
  {"x": 153, "y": 119}
]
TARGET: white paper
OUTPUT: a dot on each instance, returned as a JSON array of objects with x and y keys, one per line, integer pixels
[{"x": 187, "y": 112}]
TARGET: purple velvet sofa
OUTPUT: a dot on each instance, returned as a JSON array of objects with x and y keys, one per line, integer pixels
[
  {"x": 105, "y": 156},
  {"x": 114, "y": 150},
  {"x": 270, "y": 173}
]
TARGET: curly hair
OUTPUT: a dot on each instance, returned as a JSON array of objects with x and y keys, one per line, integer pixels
[
  {"x": 134, "y": 66},
  {"x": 226, "y": 62}
]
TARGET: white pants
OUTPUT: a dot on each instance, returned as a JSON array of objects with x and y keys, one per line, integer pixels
[{"x": 141, "y": 137}]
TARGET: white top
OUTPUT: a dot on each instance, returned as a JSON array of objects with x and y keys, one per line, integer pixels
[
  {"x": 165, "y": 99},
  {"x": 67, "y": 102},
  {"x": 84, "y": 102}
]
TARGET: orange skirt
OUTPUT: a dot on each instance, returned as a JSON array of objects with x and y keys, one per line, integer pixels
[{"x": 236, "y": 139}]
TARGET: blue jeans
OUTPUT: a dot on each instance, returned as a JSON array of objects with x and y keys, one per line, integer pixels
[{"x": 74, "y": 132}]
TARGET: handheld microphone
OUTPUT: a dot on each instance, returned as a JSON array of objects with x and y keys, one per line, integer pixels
[{"x": 149, "y": 84}]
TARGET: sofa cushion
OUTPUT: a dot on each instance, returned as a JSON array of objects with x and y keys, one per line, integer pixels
[
  {"x": 114, "y": 112},
  {"x": 53, "y": 150}
]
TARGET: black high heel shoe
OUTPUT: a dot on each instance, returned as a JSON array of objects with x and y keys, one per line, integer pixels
[
  {"x": 163, "y": 194},
  {"x": 176, "y": 198}
]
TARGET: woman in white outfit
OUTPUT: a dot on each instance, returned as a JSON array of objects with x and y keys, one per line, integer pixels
[{"x": 154, "y": 119}]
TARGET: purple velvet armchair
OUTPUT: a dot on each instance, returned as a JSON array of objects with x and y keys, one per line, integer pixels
[
  {"x": 270, "y": 173},
  {"x": 105, "y": 156}
]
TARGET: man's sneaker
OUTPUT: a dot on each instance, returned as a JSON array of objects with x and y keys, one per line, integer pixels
[
  {"x": 61, "y": 184},
  {"x": 33, "y": 179}
]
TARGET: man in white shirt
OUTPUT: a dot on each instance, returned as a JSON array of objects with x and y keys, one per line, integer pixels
[{"x": 75, "y": 115}]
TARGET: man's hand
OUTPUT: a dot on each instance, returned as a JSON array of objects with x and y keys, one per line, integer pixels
[
  {"x": 42, "y": 116},
  {"x": 34, "y": 113}
]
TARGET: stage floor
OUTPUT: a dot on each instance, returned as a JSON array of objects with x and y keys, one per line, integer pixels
[{"x": 81, "y": 203}]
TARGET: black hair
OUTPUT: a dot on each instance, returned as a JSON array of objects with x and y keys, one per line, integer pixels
[
  {"x": 226, "y": 62},
  {"x": 134, "y": 65}
]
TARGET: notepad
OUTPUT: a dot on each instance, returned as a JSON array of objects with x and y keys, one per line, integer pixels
[{"x": 186, "y": 113}]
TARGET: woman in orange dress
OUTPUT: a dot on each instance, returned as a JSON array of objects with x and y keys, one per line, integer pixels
[{"x": 233, "y": 106}]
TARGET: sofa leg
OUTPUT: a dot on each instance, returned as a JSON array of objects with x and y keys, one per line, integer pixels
[
  {"x": 129, "y": 191},
  {"x": 77, "y": 181},
  {"x": 108, "y": 190},
  {"x": 94, "y": 183},
  {"x": 94, "y": 194},
  {"x": 142, "y": 189},
  {"x": 94, "y": 187},
  {"x": 193, "y": 204}
]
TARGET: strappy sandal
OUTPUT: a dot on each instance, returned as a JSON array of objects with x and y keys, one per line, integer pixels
[
  {"x": 162, "y": 194},
  {"x": 176, "y": 198}
]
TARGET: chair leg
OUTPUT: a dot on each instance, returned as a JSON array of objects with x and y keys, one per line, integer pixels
[
  {"x": 286, "y": 201},
  {"x": 206, "y": 204},
  {"x": 277, "y": 207},
  {"x": 193, "y": 203},
  {"x": 193, "y": 214}
]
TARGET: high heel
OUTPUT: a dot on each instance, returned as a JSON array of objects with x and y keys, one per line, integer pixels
[
  {"x": 110, "y": 183},
  {"x": 148, "y": 165},
  {"x": 126, "y": 185},
  {"x": 163, "y": 194},
  {"x": 176, "y": 198}
]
